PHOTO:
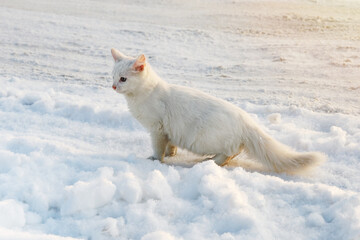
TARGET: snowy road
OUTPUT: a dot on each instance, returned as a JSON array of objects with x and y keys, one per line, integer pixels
[{"x": 73, "y": 160}]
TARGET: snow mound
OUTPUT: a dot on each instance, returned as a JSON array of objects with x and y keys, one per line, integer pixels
[
  {"x": 274, "y": 118},
  {"x": 129, "y": 188},
  {"x": 87, "y": 196},
  {"x": 6, "y": 234},
  {"x": 12, "y": 214},
  {"x": 158, "y": 235}
]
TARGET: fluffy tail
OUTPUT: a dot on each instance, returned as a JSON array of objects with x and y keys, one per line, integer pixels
[{"x": 275, "y": 156}]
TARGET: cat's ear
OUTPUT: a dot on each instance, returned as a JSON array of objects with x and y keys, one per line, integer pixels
[
  {"x": 117, "y": 55},
  {"x": 140, "y": 63}
]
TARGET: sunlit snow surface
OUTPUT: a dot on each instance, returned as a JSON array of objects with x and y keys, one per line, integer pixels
[{"x": 73, "y": 161}]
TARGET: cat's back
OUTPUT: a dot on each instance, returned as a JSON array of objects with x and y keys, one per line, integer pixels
[{"x": 193, "y": 98}]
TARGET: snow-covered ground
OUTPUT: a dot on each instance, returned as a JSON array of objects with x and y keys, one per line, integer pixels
[{"x": 73, "y": 162}]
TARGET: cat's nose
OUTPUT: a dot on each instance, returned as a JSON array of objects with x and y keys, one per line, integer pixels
[{"x": 114, "y": 87}]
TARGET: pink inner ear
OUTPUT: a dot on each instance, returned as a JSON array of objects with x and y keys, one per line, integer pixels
[
  {"x": 140, "y": 63},
  {"x": 140, "y": 68}
]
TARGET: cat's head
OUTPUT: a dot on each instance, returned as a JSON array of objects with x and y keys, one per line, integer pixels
[{"x": 128, "y": 72}]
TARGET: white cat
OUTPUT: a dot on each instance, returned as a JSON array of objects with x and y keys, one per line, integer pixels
[{"x": 178, "y": 116}]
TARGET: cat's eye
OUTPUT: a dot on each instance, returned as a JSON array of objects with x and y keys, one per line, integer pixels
[{"x": 123, "y": 79}]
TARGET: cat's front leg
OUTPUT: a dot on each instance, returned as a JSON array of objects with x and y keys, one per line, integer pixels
[{"x": 159, "y": 143}]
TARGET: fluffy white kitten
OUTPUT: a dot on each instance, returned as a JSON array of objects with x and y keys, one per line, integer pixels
[{"x": 178, "y": 116}]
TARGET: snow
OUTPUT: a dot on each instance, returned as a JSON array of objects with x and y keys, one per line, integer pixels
[
  {"x": 12, "y": 214},
  {"x": 87, "y": 196},
  {"x": 73, "y": 161}
]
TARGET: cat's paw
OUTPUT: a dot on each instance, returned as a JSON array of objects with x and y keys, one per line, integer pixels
[{"x": 171, "y": 151}]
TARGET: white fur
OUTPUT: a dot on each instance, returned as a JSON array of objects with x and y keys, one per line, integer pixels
[{"x": 192, "y": 120}]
